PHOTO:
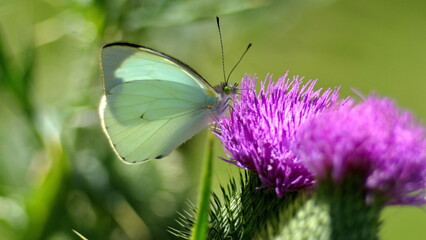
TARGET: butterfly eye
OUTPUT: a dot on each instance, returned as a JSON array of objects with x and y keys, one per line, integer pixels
[{"x": 227, "y": 89}]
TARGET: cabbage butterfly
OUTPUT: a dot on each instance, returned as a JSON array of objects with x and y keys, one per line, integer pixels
[{"x": 152, "y": 102}]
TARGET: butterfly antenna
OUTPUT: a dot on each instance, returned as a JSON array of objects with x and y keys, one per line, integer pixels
[
  {"x": 221, "y": 46},
  {"x": 241, "y": 58}
]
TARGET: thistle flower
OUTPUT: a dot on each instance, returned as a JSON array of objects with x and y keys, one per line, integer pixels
[
  {"x": 376, "y": 141},
  {"x": 261, "y": 128}
]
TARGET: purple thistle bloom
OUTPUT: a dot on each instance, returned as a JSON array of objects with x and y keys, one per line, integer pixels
[
  {"x": 374, "y": 140},
  {"x": 260, "y": 129}
]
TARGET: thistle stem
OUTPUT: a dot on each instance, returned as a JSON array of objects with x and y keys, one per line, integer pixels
[{"x": 335, "y": 213}]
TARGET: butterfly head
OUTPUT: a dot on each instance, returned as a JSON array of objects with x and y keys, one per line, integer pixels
[
  {"x": 226, "y": 93},
  {"x": 226, "y": 89}
]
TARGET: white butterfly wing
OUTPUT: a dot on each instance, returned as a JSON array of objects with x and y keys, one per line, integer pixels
[
  {"x": 129, "y": 62},
  {"x": 151, "y": 104}
]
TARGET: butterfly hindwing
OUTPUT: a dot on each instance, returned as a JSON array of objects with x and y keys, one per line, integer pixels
[{"x": 154, "y": 99}]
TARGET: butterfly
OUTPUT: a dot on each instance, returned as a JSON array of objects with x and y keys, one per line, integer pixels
[{"x": 152, "y": 102}]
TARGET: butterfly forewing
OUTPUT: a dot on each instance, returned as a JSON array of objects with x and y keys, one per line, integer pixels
[{"x": 129, "y": 62}]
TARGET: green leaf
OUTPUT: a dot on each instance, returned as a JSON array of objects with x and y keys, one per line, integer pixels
[
  {"x": 80, "y": 235},
  {"x": 244, "y": 211}
]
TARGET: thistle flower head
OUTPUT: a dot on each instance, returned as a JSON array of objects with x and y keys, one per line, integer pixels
[
  {"x": 373, "y": 140},
  {"x": 261, "y": 128}
]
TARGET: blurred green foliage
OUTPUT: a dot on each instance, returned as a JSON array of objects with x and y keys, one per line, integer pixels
[{"x": 57, "y": 171}]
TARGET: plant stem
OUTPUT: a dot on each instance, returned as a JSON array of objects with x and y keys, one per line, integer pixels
[{"x": 201, "y": 227}]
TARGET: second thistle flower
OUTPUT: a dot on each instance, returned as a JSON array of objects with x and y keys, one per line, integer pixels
[{"x": 376, "y": 141}]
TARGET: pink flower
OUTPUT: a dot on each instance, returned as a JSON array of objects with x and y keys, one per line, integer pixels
[
  {"x": 375, "y": 141},
  {"x": 261, "y": 128}
]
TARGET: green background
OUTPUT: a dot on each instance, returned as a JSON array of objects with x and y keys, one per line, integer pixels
[{"x": 57, "y": 171}]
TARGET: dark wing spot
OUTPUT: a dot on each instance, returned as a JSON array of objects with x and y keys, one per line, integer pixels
[
  {"x": 143, "y": 114},
  {"x": 123, "y": 158},
  {"x": 134, "y": 162},
  {"x": 159, "y": 156}
]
